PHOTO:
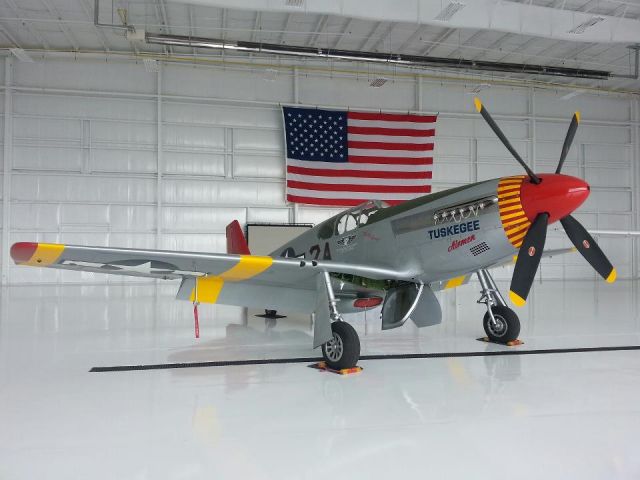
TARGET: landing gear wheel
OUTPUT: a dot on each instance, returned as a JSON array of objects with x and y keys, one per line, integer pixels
[
  {"x": 507, "y": 325},
  {"x": 343, "y": 350}
]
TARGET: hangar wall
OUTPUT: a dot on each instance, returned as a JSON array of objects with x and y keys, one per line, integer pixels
[{"x": 84, "y": 139}]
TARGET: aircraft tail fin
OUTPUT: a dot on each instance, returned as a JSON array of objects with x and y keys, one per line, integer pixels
[{"x": 236, "y": 242}]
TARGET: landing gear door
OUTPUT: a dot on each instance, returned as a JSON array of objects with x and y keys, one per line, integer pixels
[{"x": 410, "y": 300}]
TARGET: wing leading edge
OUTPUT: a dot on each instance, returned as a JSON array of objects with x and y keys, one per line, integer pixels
[{"x": 204, "y": 274}]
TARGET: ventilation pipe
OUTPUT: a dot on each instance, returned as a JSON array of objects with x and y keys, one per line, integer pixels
[{"x": 376, "y": 57}]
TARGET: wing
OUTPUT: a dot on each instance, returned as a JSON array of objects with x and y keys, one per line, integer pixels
[
  {"x": 207, "y": 277},
  {"x": 545, "y": 254}
]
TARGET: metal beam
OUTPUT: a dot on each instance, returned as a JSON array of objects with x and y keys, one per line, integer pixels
[
  {"x": 68, "y": 34},
  {"x": 316, "y": 31},
  {"x": 257, "y": 26},
  {"x": 412, "y": 38},
  {"x": 466, "y": 43},
  {"x": 9, "y": 37},
  {"x": 99, "y": 33},
  {"x": 384, "y": 36},
  {"x": 366, "y": 40},
  {"x": 191, "y": 23},
  {"x": 162, "y": 14},
  {"x": 492, "y": 46},
  {"x": 446, "y": 34},
  {"x": 159, "y": 158},
  {"x": 27, "y": 25},
  {"x": 284, "y": 28},
  {"x": 7, "y": 165},
  {"x": 345, "y": 30}
]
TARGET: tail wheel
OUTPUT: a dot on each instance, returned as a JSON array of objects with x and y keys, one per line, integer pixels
[
  {"x": 506, "y": 327},
  {"x": 343, "y": 350}
]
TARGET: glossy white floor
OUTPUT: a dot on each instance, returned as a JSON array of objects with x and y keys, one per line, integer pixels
[{"x": 568, "y": 415}]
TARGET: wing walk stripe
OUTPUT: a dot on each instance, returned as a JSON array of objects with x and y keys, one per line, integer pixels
[{"x": 248, "y": 266}]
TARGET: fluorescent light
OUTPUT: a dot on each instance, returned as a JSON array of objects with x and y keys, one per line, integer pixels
[
  {"x": 579, "y": 29},
  {"x": 21, "y": 55},
  {"x": 378, "y": 82},
  {"x": 570, "y": 95},
  {"x": 294, "y": 3},
  {"x": 449, "y": 11}
]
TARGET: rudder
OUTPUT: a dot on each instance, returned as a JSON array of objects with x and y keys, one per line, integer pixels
[{"x": 236, "y": 241}]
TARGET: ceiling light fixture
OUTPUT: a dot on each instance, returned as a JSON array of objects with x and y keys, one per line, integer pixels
[
  {"x": 378, "y": 82},
  {"x": 449, "y": 11},
  {"x": 580, "y": 29}
]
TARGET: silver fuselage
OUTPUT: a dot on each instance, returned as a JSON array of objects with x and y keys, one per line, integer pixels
[{"x": 414, "y": 237}]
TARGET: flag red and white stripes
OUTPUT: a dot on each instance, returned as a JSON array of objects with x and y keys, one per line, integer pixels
[{"x": 344, "y": 158}]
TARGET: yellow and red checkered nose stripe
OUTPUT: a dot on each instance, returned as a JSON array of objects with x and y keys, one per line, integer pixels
[{"x": 514, "y": 220}]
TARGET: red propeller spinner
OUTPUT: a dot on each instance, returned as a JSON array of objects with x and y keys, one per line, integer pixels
[{"x": 556, "y": 194}]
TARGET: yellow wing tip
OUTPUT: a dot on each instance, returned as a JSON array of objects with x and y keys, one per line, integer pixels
[
  {"x": 612, "y": 276},
  {"x": 578, "y": 117},
  {"x": 478, "y": 103},
  {"x": 517, "y": 300}
]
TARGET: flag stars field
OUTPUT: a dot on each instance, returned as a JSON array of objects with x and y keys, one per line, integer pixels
[{"x": 382, "y": 156}]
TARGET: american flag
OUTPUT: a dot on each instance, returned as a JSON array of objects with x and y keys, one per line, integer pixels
[{"x": 343, "y": 158}]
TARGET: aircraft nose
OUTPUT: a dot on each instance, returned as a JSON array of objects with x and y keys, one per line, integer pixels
[{"x": 558, "y": 195}]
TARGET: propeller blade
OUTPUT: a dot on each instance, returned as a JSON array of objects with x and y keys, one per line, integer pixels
[
  {"x": 589, "y": 249},
  {"x": 528, "y": 260},
  {"x": 568, "y": 140},
  {"x": 496, "y": 129}
]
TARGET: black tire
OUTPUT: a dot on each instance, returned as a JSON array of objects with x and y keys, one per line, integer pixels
[
  {"x": 344, "y": 350},
  {"x": 507, "y": 328}
]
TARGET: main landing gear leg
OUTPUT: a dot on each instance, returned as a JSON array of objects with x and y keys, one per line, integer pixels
[
  {"x": 500, "y": 323},
  {"x": 343, "y": 350}
]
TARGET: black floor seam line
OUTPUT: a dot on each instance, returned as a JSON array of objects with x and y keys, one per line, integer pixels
[{"x": 400, "y": 356}]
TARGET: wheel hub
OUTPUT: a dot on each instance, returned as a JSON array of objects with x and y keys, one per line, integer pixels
[
  {"x": 499, "y": 327},
  {"x": 334, "y": 348}
]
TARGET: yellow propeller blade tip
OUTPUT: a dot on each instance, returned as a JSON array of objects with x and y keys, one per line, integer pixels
[
  {"x": 477, "y": 103},
  {"x": 612, "y": 276},
  {"x": 578, "y": 116},
  {"x": 517, "y": 300}
]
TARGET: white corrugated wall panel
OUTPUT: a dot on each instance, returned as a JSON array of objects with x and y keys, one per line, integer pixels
[{"x": 86, "y": 150}]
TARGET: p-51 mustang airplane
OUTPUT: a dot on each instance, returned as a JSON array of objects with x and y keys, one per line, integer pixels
[{"x": 375, "y": 254}]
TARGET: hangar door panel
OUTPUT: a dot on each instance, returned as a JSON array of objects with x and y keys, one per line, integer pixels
[{"x": 266, "y": 238}]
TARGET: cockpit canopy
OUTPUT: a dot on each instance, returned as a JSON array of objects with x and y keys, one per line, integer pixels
[
  {"x": 357, "y": 216},
  {"x": 351, "y": 219}
]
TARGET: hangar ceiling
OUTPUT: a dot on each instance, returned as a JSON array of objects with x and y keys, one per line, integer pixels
[{"x": 68, "y": 25}]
